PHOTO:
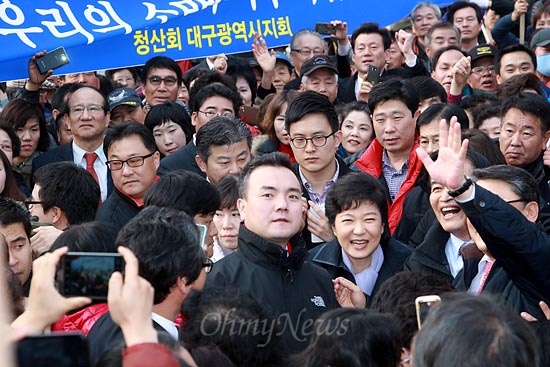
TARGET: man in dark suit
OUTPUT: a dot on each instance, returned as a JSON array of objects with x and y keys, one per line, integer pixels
[
  {"x": 212, "y": 100},
  {"x": 369, "y": 43},
  {"x": 167, "y": 245},
  {"x": 87, "y": 113}
]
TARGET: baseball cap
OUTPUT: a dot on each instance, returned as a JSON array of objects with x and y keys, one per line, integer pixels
[
  {"x": 284, "y": 58},
  {"x": 318, "y": 62},
  {"x": 123, "y": 96},
  {"x": 483, "y": 50},
  {"x": 541, "y": 38}
]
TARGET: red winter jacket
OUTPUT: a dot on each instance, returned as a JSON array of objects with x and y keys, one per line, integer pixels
[{"x": 82, "y": 320}]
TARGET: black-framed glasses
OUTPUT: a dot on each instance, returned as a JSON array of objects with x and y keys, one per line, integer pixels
[
  {"x": 212, "y": 114},
  {"x": 137, "y": 161},
  {"x": 78, "y": 110},
  {"x": 515, "y": 201},
  {"x": 207, "y": 265},
  {"x": 169, "y": 81},
  {"x": 29, "y": 202},
  {"x": 317, "y": 141},
  {"x": 308, "y": 51}
]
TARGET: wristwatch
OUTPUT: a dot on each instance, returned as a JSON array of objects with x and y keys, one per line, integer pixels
[{"x": 461, "y": 190}]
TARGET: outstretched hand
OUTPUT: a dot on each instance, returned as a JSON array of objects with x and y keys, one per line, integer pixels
[{"x": 448, "y": 169}]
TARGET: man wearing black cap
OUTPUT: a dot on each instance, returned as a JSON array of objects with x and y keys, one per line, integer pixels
[
  {"x": 125, "y": 104},
  {"x": 319, "y": 74},
  {"x": 540, "y": 44},
  {"x": 483, "y": 75}
]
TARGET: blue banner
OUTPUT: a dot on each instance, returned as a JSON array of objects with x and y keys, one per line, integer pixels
[{"x": 107, "y": 34}]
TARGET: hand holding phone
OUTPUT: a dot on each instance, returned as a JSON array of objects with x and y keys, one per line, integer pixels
[
  {"x": 52, "y": 60},
  {"x": 373, "y": 75}
]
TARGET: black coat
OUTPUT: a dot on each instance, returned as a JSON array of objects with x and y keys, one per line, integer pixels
[
  {"x": 105, "y": 335},
  {"x": 521, "y": 275},
  {"x": 118, "y": 210},
  {"x": 63, "y": 153},
  {"x": 286, "y": 285},
  {"x": 183, "y": 158},
  {"x": 329, "y": 257},
  {"x": 429, "y": 256}
]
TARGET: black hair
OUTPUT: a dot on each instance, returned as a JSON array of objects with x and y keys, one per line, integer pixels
[
  {"x": 11, "y": 190},
  {"x": 184, "y": 191},
  {"x": 110, "y": 73},
  {"x": 275, "y": 159},
  {"x": 228, "y": 188},
  {"x": 209, "y": 77},
  {"x": 427, "y": 87},
  {"x": 482, "y": 144},
  {"x": 167, "y": 245},
  {"x": 474, "y": 331},
  {"x": 541, "y": 328},
  {"x": 441, "y": 51},
  {"x": 220, "y": 131},
  {"x": 93, "y": 236},
  {"x": 367, "y": 28},
  {"x": 483, "y": 113},
  {"x": 15, "y": 142},
  {"x": 16, "y": 114},
  {"x": 396, "y": 296},
  {"x": 210, "y": 356},
  {"x": 310, "y": 102},
  {"x": 12, "y": 213},
  {"x": 457, "y": 5},
  {"x": 69, "y": 187},
  {"x": 394, "y": 89},
  {"x": 273, "y": 110},
  {"x": 215, "y": 90},
  {"x": 353, "y": 337},
  {"x": 346, "y": 109},
  {"x": 521, "y": 182},
  {"x": 238, "y": 70},
  {"x": 170, "y": 111},
  {"x": 209, "y": 315},
  {"x": 160, "y": 62},
  {"x": 60, "y": 94},
  {"x": 444, "y": 111},
  {"x": 352, "y": 190},
  {"x": 126, "y": 129},
  {"x": 514, "y": 48},
  {"x": 529, "y": 103}
]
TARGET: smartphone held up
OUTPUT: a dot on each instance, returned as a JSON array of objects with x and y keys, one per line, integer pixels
[
  {"x": 52, "y": 60},
  {"x": 87, "y": 274}
]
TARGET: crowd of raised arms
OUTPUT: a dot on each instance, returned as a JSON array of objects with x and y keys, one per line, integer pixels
[{"x": 290, "y": 208}]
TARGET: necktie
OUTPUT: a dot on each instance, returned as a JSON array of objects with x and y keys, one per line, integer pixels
[
  {"x": 90, "y": 159},
  {"x": 488, "y": 266}
]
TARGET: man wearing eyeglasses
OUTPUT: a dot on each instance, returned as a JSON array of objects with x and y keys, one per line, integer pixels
[
  {"x": 87, "y": 113},
  {"x": 133, "y": 160},
  {"x": 161, "y": 78},
  {"x": 483, "y": 75},
  {"x": 313, "y": 127}
]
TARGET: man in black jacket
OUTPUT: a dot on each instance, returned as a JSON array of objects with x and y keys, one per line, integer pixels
[
  {"x": 270, "y": 262},
  {"x": 516, "y": 250}
]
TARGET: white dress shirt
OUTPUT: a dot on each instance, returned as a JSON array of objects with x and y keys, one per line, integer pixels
[{"x": 100, "y": 166}]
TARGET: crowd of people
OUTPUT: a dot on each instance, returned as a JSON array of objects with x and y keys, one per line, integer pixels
[{"x": 287, "y": 209}]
